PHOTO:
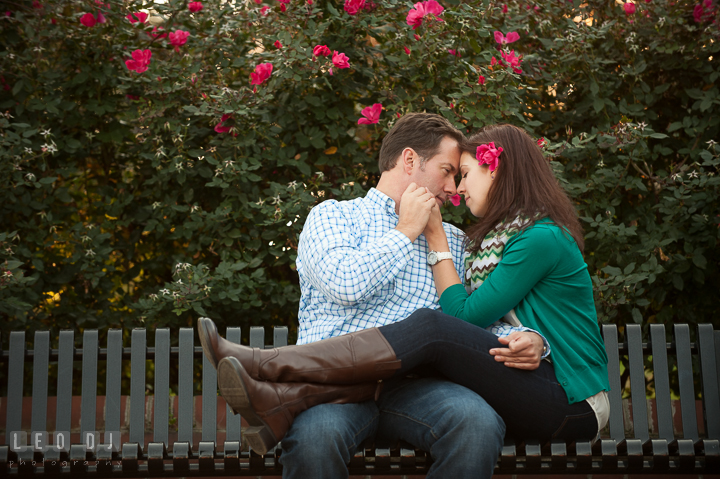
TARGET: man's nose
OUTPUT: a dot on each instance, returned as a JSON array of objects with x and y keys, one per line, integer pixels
[{"x": 450, "y": 186}]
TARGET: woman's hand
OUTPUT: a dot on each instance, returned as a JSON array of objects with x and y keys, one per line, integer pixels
[
  {"x": 416, "y": 205},
  {"x": 434, "y": 231}
]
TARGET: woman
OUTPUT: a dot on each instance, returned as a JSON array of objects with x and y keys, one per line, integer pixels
[{"x": 525, "y": 253}]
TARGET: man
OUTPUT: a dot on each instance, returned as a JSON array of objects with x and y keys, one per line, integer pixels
[{"x": 361, "y": 265}]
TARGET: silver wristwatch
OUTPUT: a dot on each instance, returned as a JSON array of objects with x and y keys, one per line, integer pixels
[{"x": 434, "y": 257}]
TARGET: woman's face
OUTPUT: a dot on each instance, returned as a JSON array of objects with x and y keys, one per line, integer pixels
[{"x": 474, "y": 183}]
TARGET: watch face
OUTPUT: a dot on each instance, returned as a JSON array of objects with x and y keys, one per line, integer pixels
[{"x": 432, "y": 258}]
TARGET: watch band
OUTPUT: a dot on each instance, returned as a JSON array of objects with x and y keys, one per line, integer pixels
[{"x": 435, "y": 257}]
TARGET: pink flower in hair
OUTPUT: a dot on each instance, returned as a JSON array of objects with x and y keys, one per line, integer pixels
[{"x": 487, "y": 154}]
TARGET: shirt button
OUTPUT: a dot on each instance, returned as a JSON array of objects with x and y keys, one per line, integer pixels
[
  {"x": 572, "y": 398},
  {"x": 565, "y": 382}
]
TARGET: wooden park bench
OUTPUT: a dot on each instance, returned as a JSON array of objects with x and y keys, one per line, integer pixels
[{"x": 159, "y": 435}]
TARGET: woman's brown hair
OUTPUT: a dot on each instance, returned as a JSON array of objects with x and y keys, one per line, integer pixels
[{"x": 524, "y": 184}]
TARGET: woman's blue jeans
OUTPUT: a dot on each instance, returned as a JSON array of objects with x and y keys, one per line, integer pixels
[{"x": 532, "y": 403}]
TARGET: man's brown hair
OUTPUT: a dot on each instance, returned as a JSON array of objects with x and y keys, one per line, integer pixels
[
  {"x": 422, "y": 132},
  {"x": 524, "y": 184}
]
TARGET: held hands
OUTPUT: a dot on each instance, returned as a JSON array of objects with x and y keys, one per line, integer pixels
[
  {"x": 434, "y": 231},
  {"x": 416, "y": 205},
  {"x": 524, "y": 350}
]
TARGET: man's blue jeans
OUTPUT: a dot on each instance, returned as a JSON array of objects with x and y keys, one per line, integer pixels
[{"x": 462, "y": 433}]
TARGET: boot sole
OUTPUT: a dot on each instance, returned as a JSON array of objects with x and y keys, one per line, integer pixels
[
  {"x": 232, "y": 387},
  {"x": 204, "y": 333}
]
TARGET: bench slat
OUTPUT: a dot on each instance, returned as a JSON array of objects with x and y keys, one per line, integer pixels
[
  {"x": 685, "y": 380},
  {"x": 41, "y": 363},
  {"x": 161, "y": 401},
  {"x": 633, "y": 333},
  {"x": 257, "y": 340},
  {"x": 661, "y": 377},
  {"x": 617, "y": 430},
  {"x": 113, "y": 380},
  {"x": 66, "y": 351},
  {"x": 708, "y": 369},
  {"x": 138, "y": 348},
  {"x": 209, "y": 401},
  {"x": 185, "y": 385},
  {"x": 280, "y": 335},
  {"x": 89, "y": 383},
  {"x": 233, "y": 422},
  {"x": 16, "y": 368}
]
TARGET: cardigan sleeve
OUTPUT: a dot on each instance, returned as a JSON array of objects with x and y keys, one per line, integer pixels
[{"x": 528, "y": 258}]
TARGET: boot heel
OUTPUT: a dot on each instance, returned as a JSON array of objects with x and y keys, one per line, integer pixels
[{"x": 260, "y": 439}]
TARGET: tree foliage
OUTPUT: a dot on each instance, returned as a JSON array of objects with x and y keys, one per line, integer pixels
[{"x": 148, "y": 193}]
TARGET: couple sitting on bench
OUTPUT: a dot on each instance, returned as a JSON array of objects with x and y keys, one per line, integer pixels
[{"x": 516, "y": 349}]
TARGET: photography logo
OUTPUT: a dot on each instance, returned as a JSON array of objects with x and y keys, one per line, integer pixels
[{"x": 43, "y": 441}]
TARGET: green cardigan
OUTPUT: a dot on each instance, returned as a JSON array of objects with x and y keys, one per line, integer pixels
[{"x": 542, "y": 275}]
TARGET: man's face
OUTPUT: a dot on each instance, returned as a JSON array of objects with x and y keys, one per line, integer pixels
[{"x": 438, "y": 173}]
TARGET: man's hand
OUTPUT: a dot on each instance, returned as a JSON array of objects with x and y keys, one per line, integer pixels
[
  {"x": 524, "y": 350},
  {"x": 415, "y": 207}
]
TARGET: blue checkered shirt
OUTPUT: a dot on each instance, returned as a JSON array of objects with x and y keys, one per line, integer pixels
[{"x": 357, "y": 271}]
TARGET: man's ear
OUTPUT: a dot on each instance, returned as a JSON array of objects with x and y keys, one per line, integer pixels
[{"x": 408, "y": 158}]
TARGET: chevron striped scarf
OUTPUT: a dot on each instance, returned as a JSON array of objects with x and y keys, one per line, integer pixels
[{"x": 479, "y": 265}]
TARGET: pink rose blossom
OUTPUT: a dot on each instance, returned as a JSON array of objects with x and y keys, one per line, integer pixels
[
  {"x": 487, "y": 154},
  {"x": 505, "y": 39},
  {"x": 340, "y": 60},
  {"x": 371, "y": 114},
  {"x": 132, "y": 97},
  {"x": 330, "y": 71},
  {"x": 8, "y": 13},
  {"x": 277, "y": 44},
  {"x": 37, "y": 5},
  {"x": 219, "y": 128},
  {"x": 178, "y": 38},
  {"x": 352, "y": 7},
  {"x": 455, "y": 200},
  {"x": 629, "y": 8},
  {"x": 309, "y": 2},
  {"x": 505, "y": 9},
  {"x": 453, "y": 52},
  {"x": 137, "y": 17},
  {"x": 258, "y": 1},
  {"x": 264, "y": 10},
  {"x": 195, "y": 7},
  {"x": 100, "y": 18},
  {"x": 159, "y": 36},
  {"x": 481, "y": 80},
  {"x": 429, "y": 8},
  {"x": 512, "y": 60},
  {"x": 321, "y": 51},
  {"x": 542, "y": 142},
  {"x": 140, "y": 61},
  {"x": 283, "y": 7},
  {"x": 88, "y": 20},
  {"x": 703, "y": 11},
  {"x": 262, "y": 72},
  {"x": 407, "y": 50},
  {"x": 417, "y": 37},
  {"x": 495, "y": 61}
]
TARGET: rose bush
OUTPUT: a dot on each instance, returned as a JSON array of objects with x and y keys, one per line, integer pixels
[{"x": 151, "y": 179}]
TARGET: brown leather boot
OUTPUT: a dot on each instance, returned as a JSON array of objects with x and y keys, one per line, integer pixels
[
  {"x": 352, "y": 358},
  {"x": 270, "y": 408}
]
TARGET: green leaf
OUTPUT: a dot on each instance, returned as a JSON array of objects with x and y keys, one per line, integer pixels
[
  {"x": 637, "y": 316},
  {"x": 678, "y": 282},
  {"x": 612, "y": 271},
  {"x": 699, "y": 260}
]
